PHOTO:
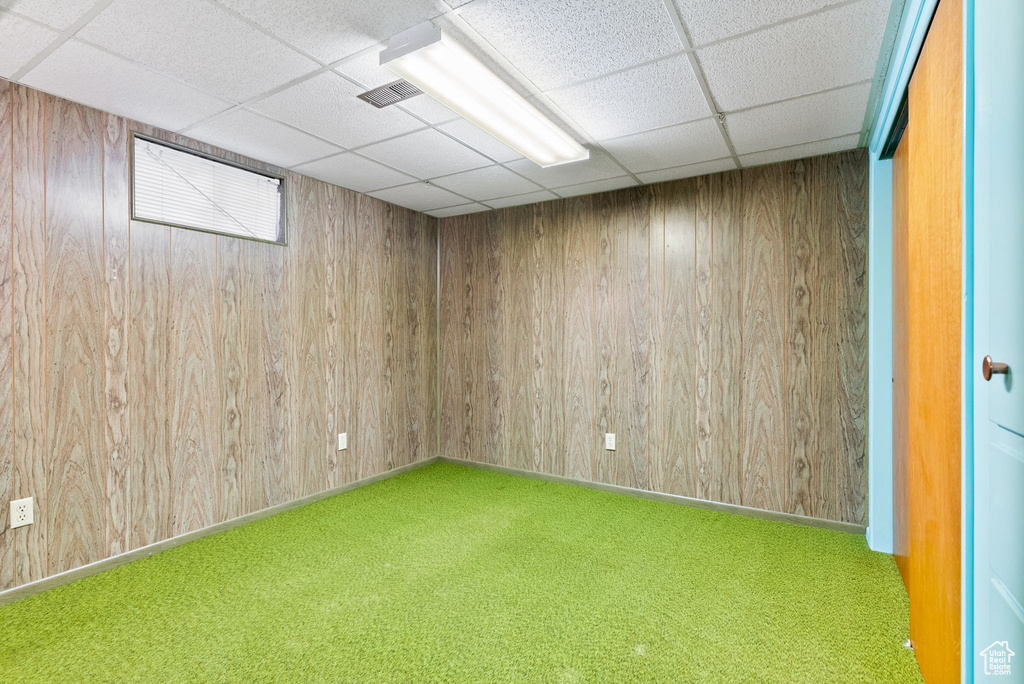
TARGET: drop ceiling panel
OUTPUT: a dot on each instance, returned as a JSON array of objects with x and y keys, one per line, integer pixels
[
  {"x": 426, "y": 154},
  {"x": 709, "y": 20},
  {"x": 262, "y": 139},
  {"x": 558, "y": 42},
  {"x": 331, "y": 29},
  {"x": 96, "y": 78},
  {"x": 814, "y": 117},
  {"x": 528, "y": 198},
  {"x": 59, "y": 14},
  {"x": 459, "y": 210},
  {"x": 197, "y": 42},
  {"x": 826, "y": 50},
  {"x": 487, "y": 183},
  {"x": 484, "y": 143},
  {"x": 813, "y": 149},
  {"x": 688, "y": 171},
  {"x": 419, "y": 197},
  {"x": 327, "y": 106},
  {"x": 598, "y": 167},
  {"x": 20, "y": 41},
  {"x": 648, "y": 96},
  {"x": 365, "y": 69},
  {"x": 596, "y": 186},
  {"x": 673, "y": 146},
  {"x": 357, "y": 173}
]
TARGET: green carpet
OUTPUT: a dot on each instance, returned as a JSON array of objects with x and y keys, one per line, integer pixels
[{"x": 453, "y": 574}]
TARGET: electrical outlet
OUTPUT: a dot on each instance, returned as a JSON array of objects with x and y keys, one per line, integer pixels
[
  {"x": 21, "y": 512},
  {"x": 342, "y": 441},
  {"x": 609, "y": 441}
]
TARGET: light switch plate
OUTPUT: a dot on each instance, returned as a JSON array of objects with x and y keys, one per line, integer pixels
[
  {"x": 21, "y": 512},
  {"x": 609, "y": 441},
  {"x": 342, "y": 441}
]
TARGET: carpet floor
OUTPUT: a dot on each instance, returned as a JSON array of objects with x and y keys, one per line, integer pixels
[{"x": 454, "y": 574}]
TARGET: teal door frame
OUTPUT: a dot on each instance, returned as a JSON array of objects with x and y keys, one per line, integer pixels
[{"x": 911, "y": 26}]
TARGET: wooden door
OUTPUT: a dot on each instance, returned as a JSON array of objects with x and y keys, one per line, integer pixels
[{"x": 927, "y": 290}]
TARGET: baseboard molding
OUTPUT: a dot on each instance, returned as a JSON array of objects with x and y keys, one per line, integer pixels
[
  {"x": 669, "y": 498},
  {"x": 31, "y": 588}
]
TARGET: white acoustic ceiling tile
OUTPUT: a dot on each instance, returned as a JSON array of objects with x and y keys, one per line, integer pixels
[
  {"x": 487, "y": 183},
  {"x": 197, "y": 42},
  {"x": 426, "y": 154},
  {"x": 332, "y": 29},
  {"x": 262, "y": 139},
  {"x": 366, "y": 69},
  {"x": 459, "y": 210},
  {"x": 20, "y": 41},
  {"x": 649, "y": 96},
  {"x": 354, "y": 172},
  {"x": 96, "y": 78},
  {"x": 327, "y": 106},
  {"x": 673, "y": 146},
  {"x": 814, "y": 117},
  {"x": 456, "y": 3},
  {"x": 482, "y": 142},
  {"x": 846, "y": 142},
  {"x": 428, "y": 109},
  {"x": 56, "y": 13},
  {"x": 709, "y": 20},
  {"x": 598, "y": 167},
  {"x": 834, "y": 48},
  {"x": 558, "y": 42},
  {"x": 419, "y": 197},
  {"x": 689, "y": 171},
  {"x": 528, "y": 198},
  {"x": 596, "y": 186}
]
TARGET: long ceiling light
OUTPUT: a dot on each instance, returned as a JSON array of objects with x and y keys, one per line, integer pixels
[{"x": 443, "y": 69}]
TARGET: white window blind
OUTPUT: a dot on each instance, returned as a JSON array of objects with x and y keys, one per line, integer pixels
[{"x": 179, "y": 188}]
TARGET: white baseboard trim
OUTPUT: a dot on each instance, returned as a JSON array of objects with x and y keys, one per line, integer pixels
[{"x": 112, "y": 562}]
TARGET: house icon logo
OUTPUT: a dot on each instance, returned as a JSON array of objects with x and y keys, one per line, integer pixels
[{"x": 997, "y": 658}]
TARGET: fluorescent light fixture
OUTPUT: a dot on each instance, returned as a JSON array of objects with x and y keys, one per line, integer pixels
[{"x": 440, "y": 67}]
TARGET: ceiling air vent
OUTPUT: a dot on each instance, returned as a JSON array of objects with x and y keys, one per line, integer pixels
[{"x": 390, "y": 93}]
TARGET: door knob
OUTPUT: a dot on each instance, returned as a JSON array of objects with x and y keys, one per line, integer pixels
[{"x": 990, "y": 368}]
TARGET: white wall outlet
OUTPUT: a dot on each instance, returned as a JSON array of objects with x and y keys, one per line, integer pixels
[
  {"x": 342, "y": 441},
  {"x": 21, "y": 512},
  {"x": 609, "y": 441}
]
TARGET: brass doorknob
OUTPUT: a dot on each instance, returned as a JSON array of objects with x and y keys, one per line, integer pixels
[{"x": 990, "y": 368}]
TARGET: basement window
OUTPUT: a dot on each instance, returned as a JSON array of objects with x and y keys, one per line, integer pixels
[{"x": 178, "y": 187}]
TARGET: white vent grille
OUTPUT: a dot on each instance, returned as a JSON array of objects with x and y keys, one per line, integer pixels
[
  {"x": 179, "y": 188},
  {"x": 390, "y": 93}
]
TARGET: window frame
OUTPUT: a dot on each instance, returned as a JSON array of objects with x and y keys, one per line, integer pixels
[{"x": 282, "y": 221}]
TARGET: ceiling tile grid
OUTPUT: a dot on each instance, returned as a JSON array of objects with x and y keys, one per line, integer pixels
[
  {"x": 349, "y": 170},
  {"x": 328, "y": 107},
  {"x": 487, "y": 183},
  {"x": 20, "y": 41},
  {"x": 420, "y": 197},
  {"x": 86, "y": 74},
  {"x": 277, "y": 80},
  {"x": 59, "y": 14},
  {"x": 693, "y": 142},
  {"x": 825, "y": 50},
  {"x": 197, "y": 42},
  {"x": 256, "y": 136}
]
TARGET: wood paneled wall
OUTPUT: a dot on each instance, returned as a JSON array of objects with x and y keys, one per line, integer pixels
[
  {"x": 155, "y": 380},
  {"x": 717, "y": 325},
  {"x": 927, "y": 305}
]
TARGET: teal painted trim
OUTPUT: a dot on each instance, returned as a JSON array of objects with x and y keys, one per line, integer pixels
[
  {"x": 880, "y": 522},
  {"x": 892, "y": 27},
  {"x": 917, "y": 17},
  {"x": 967, "y": 339}
]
